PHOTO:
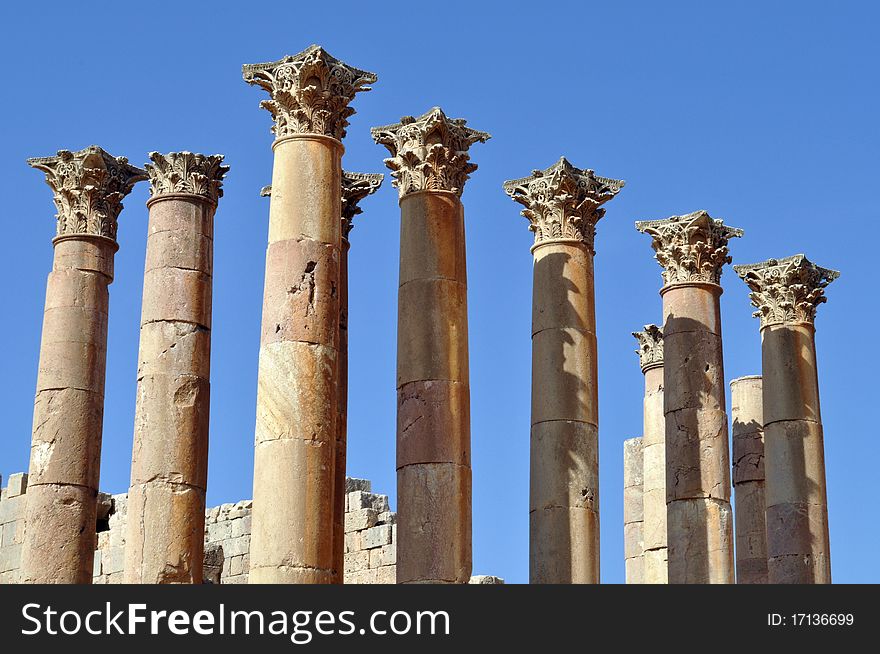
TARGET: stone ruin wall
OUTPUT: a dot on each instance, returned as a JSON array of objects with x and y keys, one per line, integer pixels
[
  {"x": 370, "y": 537},
  {"x": 370, "y": 551}
]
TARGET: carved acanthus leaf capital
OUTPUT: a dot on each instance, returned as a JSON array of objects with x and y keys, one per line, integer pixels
[
  {"x": 650, "y": 347},
  {"x": 786, "y": 291},
  {"x": 355, "y": 187},
  {"x": 563, "y": 202},
  {"x": 690, "y": 248},
  {"x": 429, "y": 153},
  {"x": 185, "y": 172},
  {"x": 89, "y": 186},
  {"x": 309, "y": 92}
]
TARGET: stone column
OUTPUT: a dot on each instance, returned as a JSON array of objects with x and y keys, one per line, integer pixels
[
  {"x": 169, "y": 463},
  {"x": 59, "y": 543},
  {"x": 429, "y": 165},
  {"x": 787, "y": 293},
  {"x": 355, "y": 187},
  {"x": 692, "y": 250},
  {"x": 563, "y": 205},
  {"x": 297, "y": 402},
  {"x": 633, "y": 511},
  {"x": 654, "y": 448},
  {"x": 746, "y": 410}
]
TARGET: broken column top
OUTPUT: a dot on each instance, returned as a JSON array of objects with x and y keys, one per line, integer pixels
[
  {"x": 690, "y": 248},
  {"x": 429, "y": 153},
  {"x": 786, "y": 291},
  {"x": 309, "y": 92},
  {"x": 563, "y": 203},
  {"x": 186, "y": 173},
  {"x": 650, "y": 347},
  {"x": 355, "y": 187},
  {"x": 89, "y": 186}
]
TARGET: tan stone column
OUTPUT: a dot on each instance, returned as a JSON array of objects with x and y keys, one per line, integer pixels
[
  {"x": 429, "y": 165},
  {"x": 692, "y": 250},
  {"x": 297, "y": 403},
  {"x": 169, "y": 464},
  {"x": 633, "y": 511},
  {"x": 563, "y": 205},
  {"x": 355, "y": 187},
  {"x": 787, "y": 293},
  {"x": 59, "y": 542},
  {"x": 654, "y": 448},
  {"x": 746, "y": 411}
]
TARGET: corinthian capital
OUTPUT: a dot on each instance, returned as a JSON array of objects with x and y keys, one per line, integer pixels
[
  {"x": 185, "y": 172},
  {"x": 786, "y": 291},
  {"x": 89, "y": 186},
  {"x": 355, "y": 187},
  {"x": 650, "y": 347},
  {"x": 429, "y": 153},
  {"x": 690, "y": 248},
  {"x": 563, "y": 202},
  {"x": 309, "y": 92}
]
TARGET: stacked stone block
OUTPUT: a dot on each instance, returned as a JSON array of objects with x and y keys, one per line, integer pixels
[
  {"x": 370, "y": 537},
  {"x": 12, "y": 499},
  {"x": 370, "y": 531}
]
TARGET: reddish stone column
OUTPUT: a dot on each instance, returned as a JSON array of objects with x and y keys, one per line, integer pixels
[
  {"x": 297, "y": 391},
  {"x": 746, "y": 411},
  {"x": 692, "y": 250},
  {"x": 563, "y": 205},
  {"x": 787, "y": 293},
  {"x": 169, "y": 465},
  {"x": 654, "y": 450},
  {"x": 355, "y": 187},
  {"x": 59, "y": 541},
  {"x": 430, "y": 164}
]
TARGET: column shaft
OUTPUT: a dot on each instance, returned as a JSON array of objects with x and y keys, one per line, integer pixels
[
  {"x": 633, "y": 510},
  {"x": 700, "y": 524},
  {"x": 341, "y": 451},
  {"x": 746, "y": 411},
  {"x": 64, "y": 471},
  {"x": 433, "y": 416},
  {"x": 169, "y": 469},
  {"x": 297, "y": 404},
  {"x": 654, "y": 475},
  {"x": 797, "y": 505},
  {"x": 564, "y": 478}
]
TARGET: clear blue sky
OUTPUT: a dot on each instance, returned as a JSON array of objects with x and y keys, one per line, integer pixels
[{"x": 765, "y": 114}]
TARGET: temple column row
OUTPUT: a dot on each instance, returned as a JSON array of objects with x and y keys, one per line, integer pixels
[
  {"x": 297, "y": 423},
  {"x": 654, "y": 454},
  {"x": 563, "y": 204},
  {"x": 786, "y": 293},
  {"x": 747, "y": 431},
  {"x": 429, "y": 166},
  {"x": 59, "y": 540},
  {"x": 169, "y": 466},
  {"x": 692, "y": 250}
]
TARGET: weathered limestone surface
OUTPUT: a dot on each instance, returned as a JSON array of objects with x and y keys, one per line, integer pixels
[
  {"x": 633, "y": 511},
  {"x": 746, "y": 410},
  {"x": 89, "y": 186},
  {"x": 692, "y": 250},
  {"x": 12, "y": 514},
  {"x": 654, "y": 450},
  {"x": 355, "y": 187},
  {"x": 563, "y": 205},
  {"x": 370, "y": 539},
  {"x": 429, "y": 166},
  {"x": 297, "y": 399},
  {"x": 787, "y": 293},
  {"x": 169, "y": 468}
]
